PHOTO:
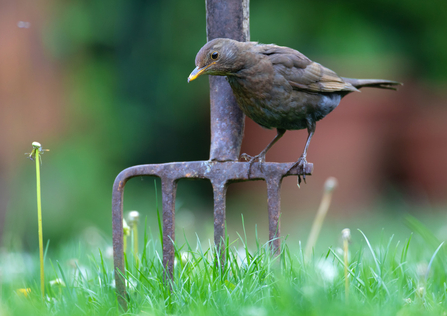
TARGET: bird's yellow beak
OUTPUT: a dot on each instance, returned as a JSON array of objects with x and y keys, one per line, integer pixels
[{"x": 197, "y": 72}]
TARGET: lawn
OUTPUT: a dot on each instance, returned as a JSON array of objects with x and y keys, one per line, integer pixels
[{"x": 384, "y": 276}]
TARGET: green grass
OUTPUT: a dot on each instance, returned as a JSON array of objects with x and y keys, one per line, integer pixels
[{"x": 390, "y": 277}]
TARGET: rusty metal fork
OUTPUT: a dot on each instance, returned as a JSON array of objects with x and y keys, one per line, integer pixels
[{"x": 224, "y": 19}]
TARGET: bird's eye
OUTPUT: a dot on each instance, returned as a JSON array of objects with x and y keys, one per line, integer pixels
[{"x": 214, "y": 55}]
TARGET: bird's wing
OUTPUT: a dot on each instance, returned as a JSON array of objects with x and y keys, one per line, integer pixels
[{"x": 302, "y": 73}]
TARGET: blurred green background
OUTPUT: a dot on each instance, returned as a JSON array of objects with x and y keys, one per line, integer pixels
[{"x": 103, "y": 86}]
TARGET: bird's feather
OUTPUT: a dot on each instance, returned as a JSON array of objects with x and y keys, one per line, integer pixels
[
  {"x": 373, "y": 83},
  {"x": 301, "y": 72},
  {"x": 316, "y": 78}
]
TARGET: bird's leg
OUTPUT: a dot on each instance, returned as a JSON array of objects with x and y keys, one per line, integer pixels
[
  {"x": 301, "y": 163},
  {"x": 261, "y": 156}
]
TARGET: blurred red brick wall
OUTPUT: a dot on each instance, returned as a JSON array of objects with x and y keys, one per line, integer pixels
[
  {"x": 374, "y": 139},
  {"x": 30, "y": 88}
]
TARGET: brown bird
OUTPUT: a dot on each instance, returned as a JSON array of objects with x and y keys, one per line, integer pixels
[{"x": 278, "y": 87}]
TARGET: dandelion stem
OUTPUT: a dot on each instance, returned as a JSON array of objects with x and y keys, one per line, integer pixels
[
  {"x": 39, "y": 222},
  {"x": 346, "y": 236},
  {"x": 135, "y": 240},
  {"x": 134, "y": 217},
  {"x": 329, "y": 187},
  {"x": 126, "y": 232}
]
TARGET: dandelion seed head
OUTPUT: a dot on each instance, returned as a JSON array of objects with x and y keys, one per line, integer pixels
[
  {"x": 330, "y": 184},
  {"x": 23, "y": 25},
  {"x": 133, "y": 217},
  {"x": 57, "y": 282},
  {"x": 327, "y": 270},
  {"x": 346, "y": 234}
]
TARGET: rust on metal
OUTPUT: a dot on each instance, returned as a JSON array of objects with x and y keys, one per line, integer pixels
[
  {"x": 224, "y": 19},
  {"x": 228, "y": 19},
  {"x": 221, "y": 174}
]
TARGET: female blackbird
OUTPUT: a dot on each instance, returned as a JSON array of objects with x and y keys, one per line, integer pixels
[{"x": 278, "y": 87}]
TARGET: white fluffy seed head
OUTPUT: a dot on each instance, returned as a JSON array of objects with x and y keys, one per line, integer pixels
[
  {"x": 57, "y": 282},
  {"x": 133, "y": 217},
  {"x": 346, "y": 234},
  {"x": 330, "y": 184}
]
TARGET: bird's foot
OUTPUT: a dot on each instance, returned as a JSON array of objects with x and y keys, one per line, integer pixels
[
  {"x": 301, "y": 164},
  {"x": 251, "y": 159}
]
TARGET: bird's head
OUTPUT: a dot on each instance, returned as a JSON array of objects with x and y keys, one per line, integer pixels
[{"x": 218, "y": 57}]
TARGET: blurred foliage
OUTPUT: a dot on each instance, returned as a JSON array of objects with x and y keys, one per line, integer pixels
[
  {"x": 125, "y": 64},
  {"x": 413, "y": 32}
]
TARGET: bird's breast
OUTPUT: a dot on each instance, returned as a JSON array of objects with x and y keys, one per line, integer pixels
[{"x": 264, "y": 103}]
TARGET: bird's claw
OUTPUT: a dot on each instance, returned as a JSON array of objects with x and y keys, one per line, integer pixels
[
  {"x": 301, "y": 164},
  {"x": 246, "y": 157},
  {"x": 251, "y": 159}
]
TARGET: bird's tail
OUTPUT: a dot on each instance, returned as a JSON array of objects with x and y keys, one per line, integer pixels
[{"x": 373, "y": 83}]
